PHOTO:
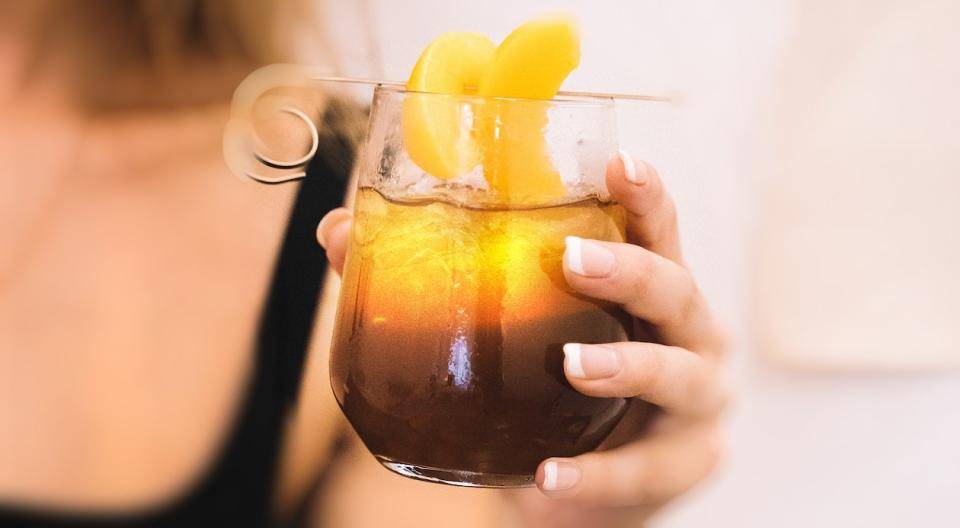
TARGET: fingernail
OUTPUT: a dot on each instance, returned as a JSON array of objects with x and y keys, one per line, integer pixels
[
  {"x": 560, "y": 475},
  {"x": 630, "y": 168},
  {"x": 588, "y": 258},
  {"x": 590, "y": 361}
]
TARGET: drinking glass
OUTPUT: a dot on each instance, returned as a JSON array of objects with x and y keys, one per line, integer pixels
[{"x": 447, "y": 353}]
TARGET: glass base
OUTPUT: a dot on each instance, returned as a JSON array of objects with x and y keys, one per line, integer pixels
[{"x": 455, "y": 477}]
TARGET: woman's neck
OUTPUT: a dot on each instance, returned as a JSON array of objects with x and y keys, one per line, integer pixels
[
  {"x": 147, "y": 141},
  {"x": 35, "y": 88}
]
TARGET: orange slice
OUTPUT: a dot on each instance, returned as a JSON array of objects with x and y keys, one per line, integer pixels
[{"x": 436, "y": 132}]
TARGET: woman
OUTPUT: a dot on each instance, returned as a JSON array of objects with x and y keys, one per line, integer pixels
[{"x": 156, "y": 360}]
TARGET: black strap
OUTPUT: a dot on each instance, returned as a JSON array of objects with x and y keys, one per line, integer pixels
[{"x": 287, "y": 321}]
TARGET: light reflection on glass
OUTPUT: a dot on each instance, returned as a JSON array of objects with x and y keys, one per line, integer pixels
[{"x": 459, "y": 369}]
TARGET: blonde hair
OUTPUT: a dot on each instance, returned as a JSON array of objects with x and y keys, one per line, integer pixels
[{"x": 159, "y": 53}]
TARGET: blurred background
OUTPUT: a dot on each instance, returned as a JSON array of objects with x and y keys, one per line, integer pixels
[
  {"x": 815, "y": 159},
  {"x": 816, "y": 163}
]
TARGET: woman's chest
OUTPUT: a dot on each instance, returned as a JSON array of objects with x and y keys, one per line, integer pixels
[
  {"x": 126, "y": 327},
  {"x": 161, "y": 265}
]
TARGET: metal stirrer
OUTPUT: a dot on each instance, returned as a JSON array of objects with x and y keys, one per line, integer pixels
[{"x": 607, "y": 95}]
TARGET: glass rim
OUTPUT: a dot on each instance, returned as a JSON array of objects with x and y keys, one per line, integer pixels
[{"x": 588, "y": 101}]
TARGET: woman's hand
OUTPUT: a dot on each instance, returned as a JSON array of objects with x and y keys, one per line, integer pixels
[
  {"x": 639, "y": 470},
  {"x": 641, "y": 466}
]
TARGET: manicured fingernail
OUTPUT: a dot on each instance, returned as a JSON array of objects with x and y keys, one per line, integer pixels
[
  {"x": 560, "y": 475},
  {"x": 590, "y": 361},
  {"x": 630, "y": 169},
  {"x": 588, "y": 258}
]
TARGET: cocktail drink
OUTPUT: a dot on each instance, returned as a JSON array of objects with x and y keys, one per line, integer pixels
[{"x": 447, "y": 354}]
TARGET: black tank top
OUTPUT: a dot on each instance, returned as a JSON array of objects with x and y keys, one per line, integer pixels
[{"x": 238, "y": 488}]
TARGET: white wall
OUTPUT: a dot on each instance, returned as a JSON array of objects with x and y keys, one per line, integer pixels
[{"x": 806, "y": 449}]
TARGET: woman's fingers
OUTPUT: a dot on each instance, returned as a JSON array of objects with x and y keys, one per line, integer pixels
[
  {"x": 676, "y": 379},
  {"x": 650, "y": 287},
  {"x": 651, "y": 214},
  {"x": 333, "y": 233},
  {"x": 650, "y": 471}
]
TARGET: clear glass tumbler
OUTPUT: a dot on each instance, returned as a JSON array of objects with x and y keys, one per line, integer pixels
[{"x": 447, "y": 353}]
